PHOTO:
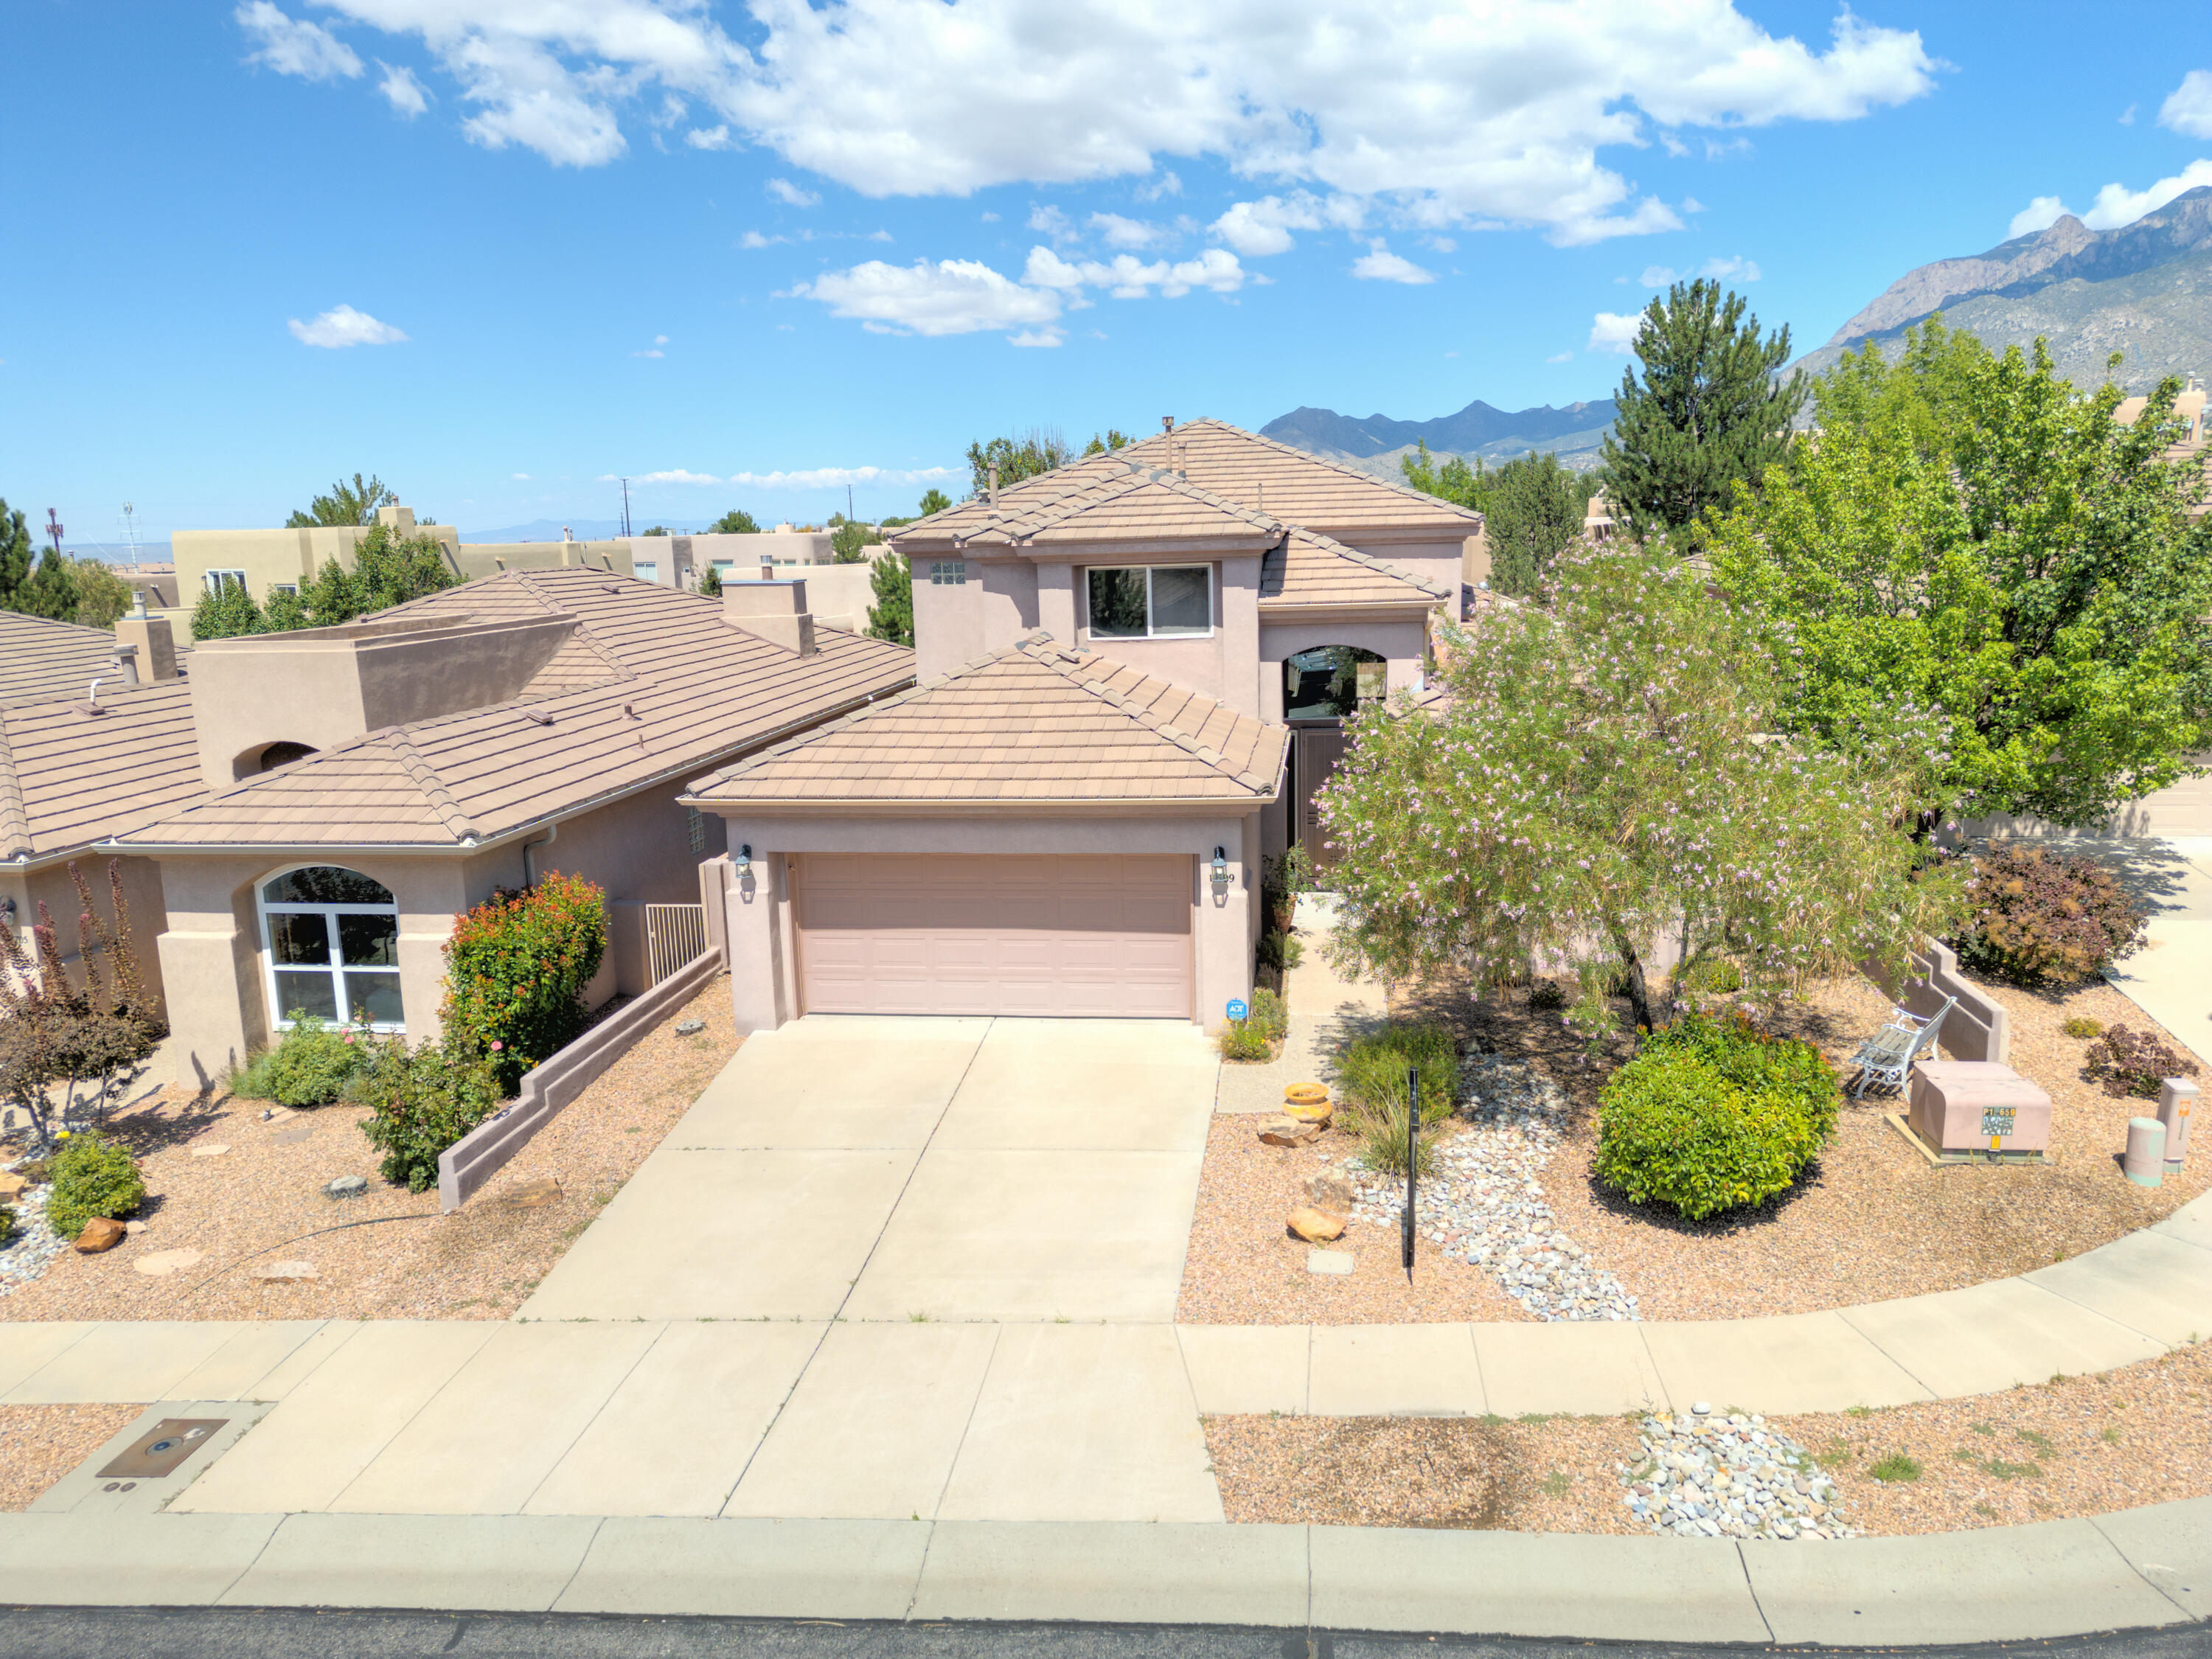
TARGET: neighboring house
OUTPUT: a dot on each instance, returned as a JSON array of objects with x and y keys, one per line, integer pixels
[
  {"x": 337, "y": 797},
  {"x": 1133, "y": 674},
  {"x": 74, "y": 770}
]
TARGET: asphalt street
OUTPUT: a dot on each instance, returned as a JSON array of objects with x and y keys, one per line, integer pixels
[{"x": 223, "y": 1633}]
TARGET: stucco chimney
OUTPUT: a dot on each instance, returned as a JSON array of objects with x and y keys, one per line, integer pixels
[
  {"x": 156, "y": 647},
  {"x": 396, "y": 517},
  {"x": 772, "y": 611}
]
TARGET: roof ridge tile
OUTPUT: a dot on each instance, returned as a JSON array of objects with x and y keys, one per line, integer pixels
[{"x": 427, "y": 780}]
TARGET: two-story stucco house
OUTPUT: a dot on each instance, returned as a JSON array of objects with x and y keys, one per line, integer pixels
[{"x": 1132, "y": 673}]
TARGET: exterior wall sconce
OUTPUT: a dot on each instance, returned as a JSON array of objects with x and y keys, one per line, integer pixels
[
  {"x": 1220, "y": 870},
  {"x": 745, "y": 865}
]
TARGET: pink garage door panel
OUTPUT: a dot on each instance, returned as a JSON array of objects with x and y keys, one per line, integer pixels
[{"x": 926, "y": 935}]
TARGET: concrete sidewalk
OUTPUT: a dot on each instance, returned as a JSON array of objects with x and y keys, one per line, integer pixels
[
  {"x": 2170, "y": 978},
  {"x": 2147, "y": 1568},
  {"x": 1326, "y": 1010}
]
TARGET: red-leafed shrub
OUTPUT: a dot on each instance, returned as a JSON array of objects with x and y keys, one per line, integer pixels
[
  {"x": 515, "y": 971},
  {"x": 2132, "y": 1064},
  {"x": 2038, "y": 918}
]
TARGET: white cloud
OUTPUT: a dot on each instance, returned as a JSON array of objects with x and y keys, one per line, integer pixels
[
  {"x": 1256, "y": 229},
  {"x": 2040, "y": 213},
  {"x": 1692, "y": 205},
  {"x": 673, "y": 476},
  {"x": 1049, "y": 220},
  {"x": 521, "y": 478},
  {"x": 1450, "y": 115},
  {"x": 1118, "y": 232},
  {"x": 791, "y": 195},
  {"x": 1038, "y": 337},
  {"x": 1560, "y": 357},
  {"x": 1440, "y": 244},
  {"x": 2116, "y": 205},
  {"x": 293, "y": 46},
  {"x": 1127, "y": 278},
  {"x": 653, "y": 350},
  {"x": 836, "y": 477},
  {"x": 2188, "y": 108},
  {"x": 1166, "y": 184},
  {"x": 715, "y": 137},
  {"x": 1659, "y": 277},
  {"x": 1734, "y": 269},
  {"x": 953, "y": 296},
  {"x": 342, "y": 326},
  {"x": 1379, "y": 264},
  {"x": 753, "y": 238},
  {"x": 1609, "y": 332},
  {"x": 402, "y": 90},
  {"x": 2128, "y": 116},
  {"x": 990, "y": 218}
]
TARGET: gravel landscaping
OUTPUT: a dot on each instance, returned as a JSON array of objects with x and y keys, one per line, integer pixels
[
  {"x": 40, "y": 1444},
  {"x": 214, "y": 1218},
  {"x": 2081, "y": 1446}
]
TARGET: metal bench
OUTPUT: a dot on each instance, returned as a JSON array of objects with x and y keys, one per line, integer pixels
[{"x": 1887, "y": 1057}]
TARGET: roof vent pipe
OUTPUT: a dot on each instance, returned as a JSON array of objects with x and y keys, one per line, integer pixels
[
  {"x": 994, "y": 486},
  {"x": 126, "y": 662}
]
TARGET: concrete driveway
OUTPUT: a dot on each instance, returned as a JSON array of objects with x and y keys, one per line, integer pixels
[{"x": 917, "y": 1171}]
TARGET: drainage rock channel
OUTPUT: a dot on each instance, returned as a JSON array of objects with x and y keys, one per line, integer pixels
[
  {"x": 1485, "y": 1205},
  {"x": 1729, "y": 1477}
]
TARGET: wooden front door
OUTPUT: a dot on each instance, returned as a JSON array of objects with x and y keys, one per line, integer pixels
[{"x": 1320, "y": 747}]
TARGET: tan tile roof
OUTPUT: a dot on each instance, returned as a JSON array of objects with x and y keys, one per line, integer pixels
[
  {"x": 676, "y": 690},
  {"x": 1227, "y": 464},
  {"x": 42, "y": 660},
  {"x": 1033, "y": 724},
  {"x": 1308, "y": 568},
  {"x": 69, "y": 778},
  {"x": 1115, "y": 504}
]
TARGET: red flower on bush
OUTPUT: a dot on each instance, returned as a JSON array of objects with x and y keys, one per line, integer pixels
[{"x": 516, "y": 967}]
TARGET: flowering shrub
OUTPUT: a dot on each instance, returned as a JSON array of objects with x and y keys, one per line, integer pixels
[
  {"x": 515, "y": 971},
  {"x": 1604, "y": 778},
  {"x": 310, "y": 1065},
  {"x": 420, "y": 1101},
  {"x": 2038, "y": 918},
  {"x": 2132, "y": 1064},
  {"x": 92, "y": 1175},
  {"x": 1713, "y": 1115}
]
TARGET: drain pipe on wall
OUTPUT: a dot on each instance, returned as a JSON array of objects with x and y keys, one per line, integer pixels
[{"x": 529, "y": 869}]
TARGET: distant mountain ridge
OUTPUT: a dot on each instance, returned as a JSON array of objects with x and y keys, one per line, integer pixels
[
  {"x": 1377, "y": 444},
  {"x": 2144, "y": 289}
]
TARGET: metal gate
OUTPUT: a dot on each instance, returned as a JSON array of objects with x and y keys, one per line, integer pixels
[
  {"x": 1320, "y": 748},
  {"x": 674, "y": 934}
]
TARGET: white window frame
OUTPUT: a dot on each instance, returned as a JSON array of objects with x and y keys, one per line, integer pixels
[
  {"x": 330, "y": 913},
  {"x": 1212, "y": 603},
  {"x": 212, "y": 579}
]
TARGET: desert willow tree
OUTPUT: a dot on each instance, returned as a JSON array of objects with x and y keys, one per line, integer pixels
[
  {"x": 1599, "y": 785},
  {"x": 88, "y": 1036}
]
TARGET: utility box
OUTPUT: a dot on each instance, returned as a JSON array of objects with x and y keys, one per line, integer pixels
[{"x": 1976, "y": 1111}]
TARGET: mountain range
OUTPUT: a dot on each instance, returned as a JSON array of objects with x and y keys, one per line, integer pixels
[
  {"x": 1377, "y": 444},
  {"x": 2143, "y": 289}
]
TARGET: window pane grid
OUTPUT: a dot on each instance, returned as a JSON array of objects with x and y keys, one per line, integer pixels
[
  {"x": 1137, "y": 602},
  {"x": 333, "y": 941}
]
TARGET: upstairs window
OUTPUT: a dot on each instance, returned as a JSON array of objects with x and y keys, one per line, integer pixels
[
  {"x": 214, "y": 579},
  {"x": 1152, "y": 601},
  {"x": 948, "y": 573},
  {"x": 333, "y": 942}
]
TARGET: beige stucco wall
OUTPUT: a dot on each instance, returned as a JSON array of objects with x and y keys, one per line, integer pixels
[
  {"x": 1439, "y": 562},
  {"x": 50, "y": 884},
  {"x": 2182, "y": 809},
  {"x": 1402, "y": 645},
  {"x": 272, "y": 556},
  {"x": 763, "y": 972}
]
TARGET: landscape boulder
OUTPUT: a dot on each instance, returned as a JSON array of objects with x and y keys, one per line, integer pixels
[
  {"x": 1288, "y": 1131},
  {"x": 99, "y": 1234},
  {"x": 1330, "y": 1190},
  {"x": 1316, "y": 1226}
]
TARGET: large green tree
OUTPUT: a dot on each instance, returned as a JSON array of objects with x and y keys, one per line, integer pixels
[
  {"x": 891, "y": 617},
  {"x": 1536, "y": 508},
  {"x": 1973, "y": 548},
  {"x": 1707, "y": 414},
  {"x": 225, "y": 611},
  {"x": 18, "y": 555},
  {"x": 1599, "y": 790},
  {"x": 1023, "y": 455},
  {"x": 735, "y": 522},
  {"x": 353, "y": 503},
  {"x": 1114, "y": 440},
  {"x": 52, "y": 591},
  {"x": 1454, "y": 481}
]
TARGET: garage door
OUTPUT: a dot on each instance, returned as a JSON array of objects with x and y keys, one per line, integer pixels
[{"x": 944, "y": 934}]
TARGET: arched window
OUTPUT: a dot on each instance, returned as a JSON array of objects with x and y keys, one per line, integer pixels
[{"x": 333, "y": 940}]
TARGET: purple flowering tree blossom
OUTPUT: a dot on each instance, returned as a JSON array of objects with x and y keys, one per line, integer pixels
[{"x": 1601, "y": 787}]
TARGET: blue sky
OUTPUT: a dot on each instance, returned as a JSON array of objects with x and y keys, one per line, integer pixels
[{"x": 501, "y": 251}]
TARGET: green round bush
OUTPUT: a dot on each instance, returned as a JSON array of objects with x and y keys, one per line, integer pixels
[
  {"x": 92, "y": 1177},
  {"x": 1713, "y": 1115},
  {"x": 310, "y": 1065}
]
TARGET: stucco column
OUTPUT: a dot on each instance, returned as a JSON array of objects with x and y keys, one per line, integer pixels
[
  {"x": 1056, "y": 601},
  {"x": 753, "y": 920},
  {"x": 1246, "y": 693},
  {"x": 1224, "y": 924}
]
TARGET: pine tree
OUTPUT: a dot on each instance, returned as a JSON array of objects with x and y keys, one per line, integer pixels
[
  {"x": 890, "y": 619},
  {"x": 1707, "y": 414},
  {"x": 1535, "y": 509},
  {"x": 17, "y": 555}
]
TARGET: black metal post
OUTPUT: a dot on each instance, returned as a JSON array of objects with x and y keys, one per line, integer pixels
[{"x": 1413, "y": 1157}]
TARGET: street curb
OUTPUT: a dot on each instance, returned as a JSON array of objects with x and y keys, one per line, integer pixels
[{"x": 2140, "y": 1569}]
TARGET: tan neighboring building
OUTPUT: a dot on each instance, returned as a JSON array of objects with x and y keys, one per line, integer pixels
[
  {"x": 326, "y": 802},
  {"x": 1134, "y": 672}
]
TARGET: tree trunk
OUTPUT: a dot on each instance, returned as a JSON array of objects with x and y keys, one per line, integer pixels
[{"x": 1639, "y": 994}]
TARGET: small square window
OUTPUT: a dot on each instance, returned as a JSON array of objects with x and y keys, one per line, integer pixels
[
  {"x": 948, "y": 573},
  {"x": 696, "y": 826}
]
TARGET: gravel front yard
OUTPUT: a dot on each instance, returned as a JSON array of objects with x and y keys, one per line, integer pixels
[
  {"x": 250, "y": 1205},
  {"x": 2084, "y": 1446},
  {"x": 40, "y": 1444}
]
